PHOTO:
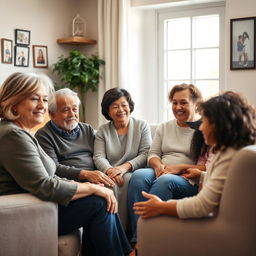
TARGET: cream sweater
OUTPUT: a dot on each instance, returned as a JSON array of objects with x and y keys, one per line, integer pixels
[
  {"x": 208, "y": 199},
  {"x": 171, "y": 144}
]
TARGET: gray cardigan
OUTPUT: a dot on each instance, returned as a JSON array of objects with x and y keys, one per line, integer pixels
[
  {"x": 25, "y": 167},
  {"x": 108, "y": 149}
]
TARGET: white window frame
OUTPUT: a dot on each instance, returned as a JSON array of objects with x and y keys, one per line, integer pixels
[{"x": 200, "y": 10}]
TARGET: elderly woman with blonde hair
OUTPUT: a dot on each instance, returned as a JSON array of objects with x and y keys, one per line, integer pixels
[{"x": 25, "y": 167}]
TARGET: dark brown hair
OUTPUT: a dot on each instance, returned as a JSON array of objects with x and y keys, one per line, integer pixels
[
  {"x": 233, "y": 118},
  {"x": 112, "y": 95}
]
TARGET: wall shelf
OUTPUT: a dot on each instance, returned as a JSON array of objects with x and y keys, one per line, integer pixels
[{"x": 76, "y": 40}]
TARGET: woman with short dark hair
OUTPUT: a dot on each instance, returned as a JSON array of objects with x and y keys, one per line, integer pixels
[
  {"x": 112, "y": 95},
  {"x": 121, "y": 146}
]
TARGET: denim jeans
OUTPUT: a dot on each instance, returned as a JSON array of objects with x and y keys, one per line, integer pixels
[
  {"x": 167, "y": 186},
  {"x": 102, "y": 231}
]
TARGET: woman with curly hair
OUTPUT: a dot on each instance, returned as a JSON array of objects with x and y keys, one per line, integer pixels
[{"x": 228, "y": 124}]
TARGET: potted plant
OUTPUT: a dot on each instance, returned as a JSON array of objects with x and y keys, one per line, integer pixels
[{"x": 80, "y": 74}]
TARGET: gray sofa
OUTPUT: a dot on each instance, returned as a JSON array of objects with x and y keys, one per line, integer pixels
[
  {"x": 232, "y": 232},
  {"x": 29, "y": 228}
]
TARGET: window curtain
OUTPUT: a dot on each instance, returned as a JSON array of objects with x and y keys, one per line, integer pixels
[{"x": 113, "y": 45}]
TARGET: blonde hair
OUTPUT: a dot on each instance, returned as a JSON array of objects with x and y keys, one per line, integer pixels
[{"x": 19, "y": 86}]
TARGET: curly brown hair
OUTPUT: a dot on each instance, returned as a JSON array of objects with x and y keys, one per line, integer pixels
[{"x": 233, "y": 118}]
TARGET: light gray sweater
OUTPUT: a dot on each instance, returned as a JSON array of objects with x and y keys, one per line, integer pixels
[
  {"x": 171, "y": 144},
  {"x": 108, "y": 149},
  {"x": 25, "y": 167}
]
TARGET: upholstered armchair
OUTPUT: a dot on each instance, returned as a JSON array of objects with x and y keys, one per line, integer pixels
[
  {"x": 231, "y": 232},
  {"x": 29, "y": 227}
]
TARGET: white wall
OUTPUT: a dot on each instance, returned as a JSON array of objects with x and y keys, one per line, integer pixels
[
  {"x": 143, "y": 64},
  {"x": 243, "y": 81},
  {"x": 88, "y": 9},
  {"x": 48, "y": 20},
  {"x": 146, "y": 86}
]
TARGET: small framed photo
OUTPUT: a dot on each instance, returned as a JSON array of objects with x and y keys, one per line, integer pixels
[
  {"x": 21, "y": 56},
  {"x": 22, "y": 37},
  {"x": 40, "y": 56},
  {"x": 7, "y": 52},
  {"x": 242, "y": 43}
]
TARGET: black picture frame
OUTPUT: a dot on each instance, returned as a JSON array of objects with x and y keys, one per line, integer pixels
[
  {"x": 6, "y": 51},
  {"x": 242, "y": 43},
  {"x": 21, "y": 56},
  {"x": 22, "y": 37}
]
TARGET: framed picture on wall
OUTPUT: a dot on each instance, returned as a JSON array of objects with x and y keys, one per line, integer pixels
[
  {"x": 22, "y": 37},
  {"x": 40, "y": 56},
  {"x": 7, "y": 51},
  {"x": 21, "y": 56},
  {"x": 242, "y": 43}
]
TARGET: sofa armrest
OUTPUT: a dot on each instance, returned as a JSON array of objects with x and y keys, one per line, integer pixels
[{"x": 28, "y": 226}]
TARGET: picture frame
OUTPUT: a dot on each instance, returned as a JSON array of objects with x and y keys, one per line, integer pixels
[
  {"x": 6, "y": 51},
  {"x": 40, "y": 56},
  {"x": 21, "y": 56},
  {"x": 22, "y": 37},
  {"x": 242, "y": 43}
]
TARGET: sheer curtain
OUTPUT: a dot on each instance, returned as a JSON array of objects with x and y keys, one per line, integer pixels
[{"x": 113, "y": 45}]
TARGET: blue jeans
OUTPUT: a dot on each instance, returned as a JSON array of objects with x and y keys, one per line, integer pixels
[
  {"x": 167, "y": 186},
  {"x": 103, "y": 233}
]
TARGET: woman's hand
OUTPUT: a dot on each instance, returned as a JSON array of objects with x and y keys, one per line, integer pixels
[
  {"x": 150, "y": 208},
  {"x": 108, "y": 195},
  {"x": 116, "y": 173},
  {"x": 191, "y": 173},
  {"x": 159, "y": 170},
  {"x": 173, "y": 169}
]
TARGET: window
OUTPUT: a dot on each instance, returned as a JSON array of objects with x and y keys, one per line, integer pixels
[{"x": 189, "y": 52}]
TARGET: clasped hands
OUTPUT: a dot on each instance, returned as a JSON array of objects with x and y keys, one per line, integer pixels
[{"x": 116, "y": 173}]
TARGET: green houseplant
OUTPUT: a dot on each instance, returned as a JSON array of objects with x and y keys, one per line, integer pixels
[{"x": 80, "y": 74}]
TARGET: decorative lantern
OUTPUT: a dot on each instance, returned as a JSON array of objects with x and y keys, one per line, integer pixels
[{"x": 78, "y": 26}]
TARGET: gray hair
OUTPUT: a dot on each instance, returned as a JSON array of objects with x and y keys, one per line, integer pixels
[
  {"x": 19, "y": 86},
  {"x": 52, "y": 105}
]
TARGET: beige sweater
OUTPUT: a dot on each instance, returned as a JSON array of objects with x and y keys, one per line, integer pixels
[{"x": 208, "y": 199}]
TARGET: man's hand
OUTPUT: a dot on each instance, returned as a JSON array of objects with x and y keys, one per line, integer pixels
[
  {"x": 96, "y": 177},
  {"x": 148, "y": 208}
]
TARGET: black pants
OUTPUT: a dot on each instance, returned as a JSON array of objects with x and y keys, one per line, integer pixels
[{"x": 102, "y": 231}]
